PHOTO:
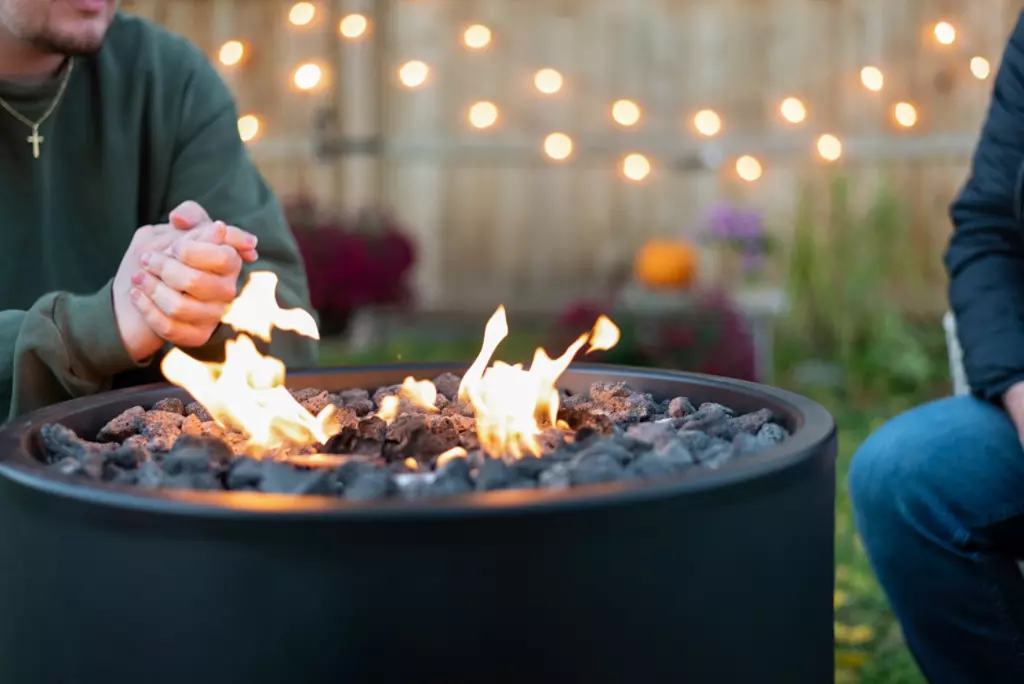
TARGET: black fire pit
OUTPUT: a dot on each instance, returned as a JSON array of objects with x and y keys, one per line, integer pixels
[{"x": 719, "y": 575}]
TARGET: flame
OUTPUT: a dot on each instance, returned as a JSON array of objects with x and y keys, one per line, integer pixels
[
  {"x": 508, "y": 400},
  {"x": 246, "y": 392}
]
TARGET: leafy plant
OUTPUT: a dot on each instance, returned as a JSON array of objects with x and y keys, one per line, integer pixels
[{"x": 854, "y": 281}]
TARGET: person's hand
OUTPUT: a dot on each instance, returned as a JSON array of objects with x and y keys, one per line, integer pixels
[
  {"x": 189, "y": 215},
  {"x": 183, "y": 291},
  {"x": 1013, "y": 402}
]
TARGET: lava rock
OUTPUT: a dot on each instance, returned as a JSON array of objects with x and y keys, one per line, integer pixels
[
  {"x": 371, "y": 484},
  {"x": 196, "y": 409},
  {"x": 316, "y": 403},
  {"x": 282, "y": 478},
  {"x": 453, "y": 478},
  {"x": 557, "y": 476},
  {"x": 171, "y": 405},
  {"x": 680, "y": 407},
  {"x": 150, "y": 475},
  {"x": 447, "y": 385},
  {"x": 596, "y": 469},
  {"x": 244, "y": 473},
  {"x": 771, "y": 434},
  {"x": 654, "y": 434},
  {"x": 123, "y": 426},
  {"x": 192, "y": 454}
]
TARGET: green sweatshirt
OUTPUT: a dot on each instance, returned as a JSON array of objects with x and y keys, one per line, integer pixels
[{"x": 144, "y": 124}]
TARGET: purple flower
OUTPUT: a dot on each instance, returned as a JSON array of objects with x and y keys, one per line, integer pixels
[{"x": 729, "y": 223}]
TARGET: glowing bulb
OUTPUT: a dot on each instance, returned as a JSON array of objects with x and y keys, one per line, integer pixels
[
  {"x": 231, "y": 53},
  {"x": 248, "y": 127},
  {"x": 413, "y": 74},
  {"x": 308, "y": 76},
  {"x": 625, "y": 112},
  {"x": 558, "y": 146},
  {"x": 980, "y": 68},
  {"x": 302, "y": 13},
  {"x": 483, "y": 114},
  {"x": 905, "y": 114},
  {"x": 872, "y": 78},
  {"x": 635, "y": 167},
  {"x": 829, "y": 147},
  {"x": 707, "y": 122},
  {"x": 477, "y": 37},
  {"x": 748, "y": 168},
  {"x": 548, "y": 81},
  {"x": 945, "y": 33},
  {"x": 793, "y": 110},
  {"x": 353, "y": 26}
]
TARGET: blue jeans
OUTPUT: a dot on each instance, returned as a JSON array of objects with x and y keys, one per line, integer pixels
[{"x": 938, "y": 498}]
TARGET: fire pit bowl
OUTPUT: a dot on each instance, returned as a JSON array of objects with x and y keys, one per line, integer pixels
[{"x": 717, "y": 576}]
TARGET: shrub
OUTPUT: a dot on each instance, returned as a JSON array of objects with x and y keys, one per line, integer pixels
[
  {"x": 351, "y": 262},
  {"x": 711, "y": 337}
]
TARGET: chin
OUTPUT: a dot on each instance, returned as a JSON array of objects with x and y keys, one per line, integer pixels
[{"x": 73, "y": 31}]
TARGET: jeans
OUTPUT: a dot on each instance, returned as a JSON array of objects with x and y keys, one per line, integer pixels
[{"x": 938, "y": 498}]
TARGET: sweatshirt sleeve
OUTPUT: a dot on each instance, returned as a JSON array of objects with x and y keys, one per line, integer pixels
[
  {"x": 985, "y": 258},
  {"x": 212, "y": 167},
  {"x": 65, "y": 346}
]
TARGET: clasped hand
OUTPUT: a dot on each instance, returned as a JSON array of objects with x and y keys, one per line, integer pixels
[{"x": 176, "y": 280}]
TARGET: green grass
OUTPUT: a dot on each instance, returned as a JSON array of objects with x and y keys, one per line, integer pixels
[{"x": 869, "y": 646}]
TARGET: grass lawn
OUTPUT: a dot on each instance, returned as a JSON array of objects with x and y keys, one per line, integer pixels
[{"x": 869, "y": 647}]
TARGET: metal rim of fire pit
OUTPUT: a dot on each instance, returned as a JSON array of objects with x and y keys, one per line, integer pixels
[{"x": 18, "y": 464}]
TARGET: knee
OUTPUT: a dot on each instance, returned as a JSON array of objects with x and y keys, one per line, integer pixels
[{"x": 911, "y": 470}]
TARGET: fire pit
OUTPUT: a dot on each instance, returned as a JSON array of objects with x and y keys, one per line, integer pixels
[{"x": 620, "y": 548}]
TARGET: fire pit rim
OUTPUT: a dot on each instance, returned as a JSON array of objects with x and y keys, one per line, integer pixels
[{"x": 18, "y": 464}]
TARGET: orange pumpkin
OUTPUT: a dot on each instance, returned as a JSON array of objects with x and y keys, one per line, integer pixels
[{"x": 666, "y": 264}]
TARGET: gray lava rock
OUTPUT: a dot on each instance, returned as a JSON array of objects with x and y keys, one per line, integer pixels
[
  {"x": 370, "y": 485},
  {"x": 282, "y": 478},
  {"x": 602, "y": 467},
  {"x": 244, "y": 473}
]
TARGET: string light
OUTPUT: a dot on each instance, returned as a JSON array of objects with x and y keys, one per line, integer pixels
[
  {"x": 635, "y": 167},
  {"x": 231, "y": 53},
  {"x": 707, "y": 122},
  {"x": 477, "y": 37},
  {"x": 483, "y": 114},
  {"x": 308, "y": 76},
  {"x": 626, "y": 112},
  {"x": 980, "y": 68},
  {"x": 793, "y": 110},
  {"x": 248, "y": 127},
  {"x": 748, "y": 168},
  {"x": 945, "y": 34},
  {"x": 905, "y": 114},
  {"x": 829, "y": 147},
  {"x": 872, "y": 78},
  {"x": 548, "y": 81},
  {"x": 353, "y": 26},
  {"x": 413, "y": 73},
  {"x": 558, "y": 146},
  {"x": 302, "y": 13}
]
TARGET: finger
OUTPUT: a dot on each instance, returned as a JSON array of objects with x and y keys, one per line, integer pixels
[
  {"x": 188, "y": 215},
  {"x": 178, "y": 306},
  {"x": 178, "y": 333},
  {"x": 220, "y": 233},
  {"x": 211, "y": 258},
  {"x": 206, "y": 287}
]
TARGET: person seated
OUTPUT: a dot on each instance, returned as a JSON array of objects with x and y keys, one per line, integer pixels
[
  {"x": 109, "y": 123},
  {"x": 938, "y": 492}
]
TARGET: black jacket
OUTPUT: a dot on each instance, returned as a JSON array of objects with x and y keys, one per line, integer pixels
[{"x": 985, "y": 259}]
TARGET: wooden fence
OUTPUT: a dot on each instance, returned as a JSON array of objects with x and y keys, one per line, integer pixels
[{"x": 498, "y": 219}]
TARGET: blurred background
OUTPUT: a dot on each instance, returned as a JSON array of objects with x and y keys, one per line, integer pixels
[{"x": 751, "y": 189}]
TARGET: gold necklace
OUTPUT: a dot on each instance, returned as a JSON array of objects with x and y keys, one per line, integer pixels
[{"x": 36, "y": 140}]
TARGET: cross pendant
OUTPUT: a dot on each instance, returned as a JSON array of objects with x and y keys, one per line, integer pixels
[{"x": 35, "y": 140}]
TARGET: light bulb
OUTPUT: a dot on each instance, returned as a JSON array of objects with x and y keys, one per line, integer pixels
[
  {"x": 793, "y": 110},
  {"x": 748, "y": 168},
  {"x": 353, "y": 26},
  {"x": 945, "y": 33},
  {"x": 980, "y": 68},
  {"x": 308, "y": 76},
  {"x": 302, "y": 13},
  {"x": 248, "y": 127},
  {"x": 829, "y": 147},
  {"x": 477, "y": 37},
  {"x": 231, "y": 53},
  {"x": 413, "y": 73},
  {"x": 635, "y": 167},
  {"x": 558, "y": 146},
  {"x": 872, "y": 78},
  {"x": 483, "y": 114},
  {"x": 548, "y": 81},
  {"x": 905, "y": 114},
  {"x": 707, "y": 122},
  {"x": 626, "y": 112}
]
